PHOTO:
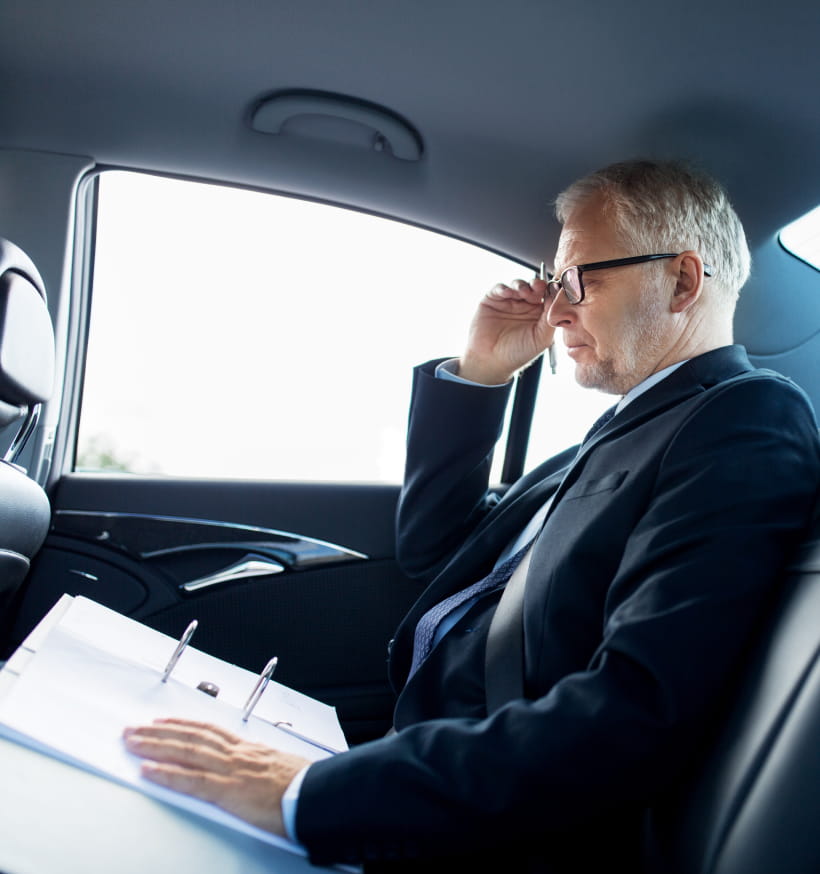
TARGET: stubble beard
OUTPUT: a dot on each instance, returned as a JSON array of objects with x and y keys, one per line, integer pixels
[{"x": 641, "y": 345}]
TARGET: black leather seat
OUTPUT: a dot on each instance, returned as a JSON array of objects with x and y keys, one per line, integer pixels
[
  {"x": 26, "y": 375},
  {"x": 753, "y": 806}
]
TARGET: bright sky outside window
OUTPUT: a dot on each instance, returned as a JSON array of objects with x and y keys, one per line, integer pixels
[
  {"x": 802, "y": 238},
  {"x": 240, "y": 334}
]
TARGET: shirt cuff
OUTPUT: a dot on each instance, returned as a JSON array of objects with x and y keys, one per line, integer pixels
[
  {"x": 289, "y": 801},
  {"x": 447, "y": 370}
]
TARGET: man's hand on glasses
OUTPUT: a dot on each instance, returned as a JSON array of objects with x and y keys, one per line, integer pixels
[{"x": 508, "y": 331}]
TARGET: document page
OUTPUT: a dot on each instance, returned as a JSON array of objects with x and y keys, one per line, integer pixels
[
  {"x": 111, "y": 632},
  {"x": 93, "y": 674}
]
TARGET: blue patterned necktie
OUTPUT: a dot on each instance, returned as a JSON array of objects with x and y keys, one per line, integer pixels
[
  {"x": 427, "y": 625},
  {"x": 600, "y": 422}
]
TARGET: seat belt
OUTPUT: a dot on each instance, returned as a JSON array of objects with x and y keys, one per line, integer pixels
[{"x": 504, "y": 651}]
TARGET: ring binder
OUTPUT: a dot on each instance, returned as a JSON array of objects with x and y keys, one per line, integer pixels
[
  {"x": 259, "y": 688},
  {"x": 87, "y": 672},
  {"x": 183, "y": 642}
]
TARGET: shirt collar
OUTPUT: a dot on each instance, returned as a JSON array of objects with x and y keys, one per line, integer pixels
[{"x": 641, "y": 387}]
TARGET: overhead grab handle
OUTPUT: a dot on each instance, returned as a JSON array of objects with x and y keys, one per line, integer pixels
[{"x": 336, "y": 118}]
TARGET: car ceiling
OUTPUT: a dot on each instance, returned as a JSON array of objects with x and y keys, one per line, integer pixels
[{"x": 512, "y": 99}]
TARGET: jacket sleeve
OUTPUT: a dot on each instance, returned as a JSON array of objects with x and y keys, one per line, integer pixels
[{"x": 451, "y": 435}]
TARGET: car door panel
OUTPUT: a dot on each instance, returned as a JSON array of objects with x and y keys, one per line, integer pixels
[{"x": 311, "y": 575}]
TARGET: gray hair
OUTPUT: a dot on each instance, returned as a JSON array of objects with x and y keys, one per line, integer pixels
[{"x": 668, "y": 206}]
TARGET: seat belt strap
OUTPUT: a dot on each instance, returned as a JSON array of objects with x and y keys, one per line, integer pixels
[{"x": 504, "y": 652}]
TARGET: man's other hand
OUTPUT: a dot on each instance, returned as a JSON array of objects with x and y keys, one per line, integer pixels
[{"x": 244, "y": 778}]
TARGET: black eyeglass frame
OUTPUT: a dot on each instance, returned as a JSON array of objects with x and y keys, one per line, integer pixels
[{"x": 556, "y": 286}]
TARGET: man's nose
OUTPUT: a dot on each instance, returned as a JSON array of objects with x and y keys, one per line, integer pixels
[{"x": 561, "y": 312}]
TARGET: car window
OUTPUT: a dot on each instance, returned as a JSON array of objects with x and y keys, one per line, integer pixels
[
  {"x": 564, "y": 411},
  {"x": 802, "y": 238},
  {"x": 235, "y": 333}
]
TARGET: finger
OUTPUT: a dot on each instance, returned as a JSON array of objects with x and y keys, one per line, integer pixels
[
  {"x": 515, "y": 288},
  {"x": 539, "y": 286},
  {"x": 532, "y": 291},
  {"x": 203, "y": 785},
  {"x": 208, "y": 727},
  {"x": 518, "y": 294},
  {"x": 178, "y": 736},
  {"x": 189, "y": 755},
  {"x": 186, "y": 731},
  {"x": 501, "y": 291}
]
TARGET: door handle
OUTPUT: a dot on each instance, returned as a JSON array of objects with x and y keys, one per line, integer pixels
[{"x": 249, "y": 566}]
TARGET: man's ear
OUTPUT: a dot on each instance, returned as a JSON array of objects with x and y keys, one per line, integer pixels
[{"x": 688, "y": 269}]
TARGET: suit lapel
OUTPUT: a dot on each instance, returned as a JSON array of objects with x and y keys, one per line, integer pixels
[{"x": 691, "y": 378}]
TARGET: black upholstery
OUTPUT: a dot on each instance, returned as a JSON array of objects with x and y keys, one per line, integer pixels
[
  {"x": 752, "y": 808},
  {"x": 26, "y": 374}
]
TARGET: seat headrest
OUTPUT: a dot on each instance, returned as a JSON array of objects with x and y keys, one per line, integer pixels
[{"x": 26, "y": 335}]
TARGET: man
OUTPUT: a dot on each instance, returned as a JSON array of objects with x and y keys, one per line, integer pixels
[{"x": 657, "y": 546}]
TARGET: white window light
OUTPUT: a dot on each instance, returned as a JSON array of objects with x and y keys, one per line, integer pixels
[{"x": 802, "y": 238}]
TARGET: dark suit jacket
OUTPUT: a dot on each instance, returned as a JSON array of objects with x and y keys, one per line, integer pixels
[{"x": 658, "y": 557}]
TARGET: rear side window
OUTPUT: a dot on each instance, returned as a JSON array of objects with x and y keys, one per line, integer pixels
[
  {"x": 802, "y": 238},
  {"x": 244, "y": 335}
]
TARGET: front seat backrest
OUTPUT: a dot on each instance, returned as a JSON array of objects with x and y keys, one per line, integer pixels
[
  {"x": 752, "y": 807},
  {"x": 26, "y": 376}
]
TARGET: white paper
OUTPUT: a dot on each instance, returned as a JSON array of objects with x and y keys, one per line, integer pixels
[{"x": 97, "y": 672}]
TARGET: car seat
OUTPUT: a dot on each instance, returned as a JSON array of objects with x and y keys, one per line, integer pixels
[
  {"x": 751, "y": 807},
  {"x": 26, "y": 376}
]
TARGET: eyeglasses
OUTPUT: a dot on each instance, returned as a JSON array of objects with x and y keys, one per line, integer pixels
[{"x": 572, "y": 282}]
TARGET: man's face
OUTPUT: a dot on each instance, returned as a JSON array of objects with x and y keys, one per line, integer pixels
[{"x": 622, "y": 331}]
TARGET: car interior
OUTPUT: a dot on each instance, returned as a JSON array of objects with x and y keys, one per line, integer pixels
[{"x": 464, "y": 119}]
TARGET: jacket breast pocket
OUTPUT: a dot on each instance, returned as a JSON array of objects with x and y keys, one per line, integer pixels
[{"x": 588, "y": 487}]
